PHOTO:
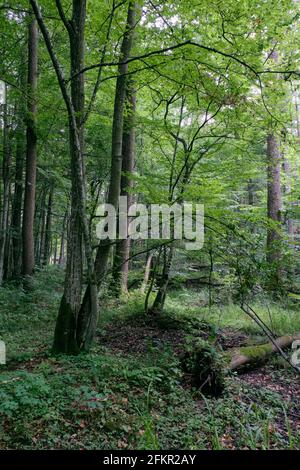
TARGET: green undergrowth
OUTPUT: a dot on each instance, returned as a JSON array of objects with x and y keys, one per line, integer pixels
[
  {"x": 109, "y": 400},
  {"x": 281, "y": 318}
]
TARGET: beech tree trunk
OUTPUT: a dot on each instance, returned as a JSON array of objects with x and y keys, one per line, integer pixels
[
  {"x": 274, "y": 206},
  {"x": 28, "y": 261},
  {"x": 66, "y": 326},
  {"x": 121, "y": 260},
  {"x": 16, "y": 219},
  {"x": 103, "y": 251},
  {"x": 66, "y": 337},
  {"x": 6, "y": 189},
  {"x": 47, "y": 243}
]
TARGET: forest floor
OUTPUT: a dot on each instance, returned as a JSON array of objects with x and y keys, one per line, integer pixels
[{"x": 130, "y": 392}]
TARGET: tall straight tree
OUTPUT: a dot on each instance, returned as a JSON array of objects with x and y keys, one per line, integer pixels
[
  {"x": 6, "y": 164},
  {"x": 274, "y": 161},
  {"x": 65, "y": 337},
  {"x": 16, "y": 219},
  {"x": 121, "y": 260},
  {"x": 31, "y": 151},
  {"x": 274, "y": 203},
  {"x": 104, "y": 249}
]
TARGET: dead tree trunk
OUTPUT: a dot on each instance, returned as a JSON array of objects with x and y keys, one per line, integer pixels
[{"x": 250, "y": 355}]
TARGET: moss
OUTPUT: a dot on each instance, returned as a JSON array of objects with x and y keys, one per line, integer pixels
[
  {"x": 65, "y": 331},
  {"x": 256, "y": 352}
]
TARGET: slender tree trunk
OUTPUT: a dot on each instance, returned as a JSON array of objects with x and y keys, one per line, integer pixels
[
  {"x": 55, "y": 251},
  {"x": 147, "y": 272},
  {"x": 274, "y": 206},
  {"x": 103, "y": 252},
  {"x": 47, "y": 245},
  {"x": 6, "y": 189},
  {"x": 160, "y": 298},
  {"x": 121, "y": 260},
  {"x": 39, "y": 226},
  {"x": 61, "y": 259},
  {"x": 65, "y": 339},
  {"x": 287, "y": 191},
  {"x": 16, "y": 220},
  {"x": 31, "y": 153}
]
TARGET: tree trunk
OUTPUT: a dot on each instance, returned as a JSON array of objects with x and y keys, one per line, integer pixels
[
  {"x": 6, "y": 189},
  {"x": 47, "y": 245},
  {"x": 65, "y": 340},
  {"x": 274, "y": 207},
  {"x": 61, "y": 259},
  {"x": 147, "y": 273},
  {"x": 39, "y": 226},
  {"x": 16, "y": 220},
  {"x": 121, "y": 260},
  {"x": 160, "y": 298},
  {"x": 31, "y": 153},
  {"x": 257, "y": 354},
  {"x": 103, "y": 252},
  {"x": 287, "y": 191}
]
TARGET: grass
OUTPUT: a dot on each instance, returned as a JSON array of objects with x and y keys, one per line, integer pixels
[
  {"x": 108, "y": 400},
  {"x": 282, "y": 319}
]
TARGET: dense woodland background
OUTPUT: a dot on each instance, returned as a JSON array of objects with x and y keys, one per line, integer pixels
[{"x": 142, "y": 343}]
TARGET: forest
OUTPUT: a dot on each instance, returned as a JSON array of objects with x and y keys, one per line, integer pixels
[{"x": 149, "y": 225}]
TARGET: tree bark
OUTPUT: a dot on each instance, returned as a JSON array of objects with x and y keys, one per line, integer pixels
[{"x": 28, "y": 261}]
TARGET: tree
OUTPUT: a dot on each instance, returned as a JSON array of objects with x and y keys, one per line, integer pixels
[
  {"x": 28, "y": 261},
  {"x": 65, "y": 337},
  {"x": 121, "y": 259},
  {"x": 6, "y": 186},
  {"x": 103, "y": 251}
]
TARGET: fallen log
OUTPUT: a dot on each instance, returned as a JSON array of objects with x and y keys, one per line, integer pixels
[{"x": 256, "y": 354}]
